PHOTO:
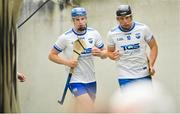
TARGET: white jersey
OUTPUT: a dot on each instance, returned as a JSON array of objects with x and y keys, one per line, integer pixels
[
  {"x": 133, "y": 62},
  {"x": 84, "y": 72}
]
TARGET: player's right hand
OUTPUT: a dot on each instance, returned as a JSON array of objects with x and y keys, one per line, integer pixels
[
  {"x": 114, "y": 55},
  {"x": 72, "y": 63}
]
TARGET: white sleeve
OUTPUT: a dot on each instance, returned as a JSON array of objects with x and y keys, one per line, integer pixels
[
  {"x": 148, "y": 34},
  {"x": 99, "y": 42},
  {"x": 110, "y": 41},
  {"x": 60, "y": 44}
]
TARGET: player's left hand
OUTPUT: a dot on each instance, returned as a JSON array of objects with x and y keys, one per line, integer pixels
[
  {"x": 96, "y": 51},
  {"x": 151, "y": 70}
]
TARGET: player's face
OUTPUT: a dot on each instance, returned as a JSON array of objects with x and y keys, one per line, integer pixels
[
  {"x": 125, "y": 21},
  {"x": 80, "y": 23}
]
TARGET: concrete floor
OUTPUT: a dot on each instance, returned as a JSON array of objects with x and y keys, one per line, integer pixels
[{"x": 45, "y": 79}]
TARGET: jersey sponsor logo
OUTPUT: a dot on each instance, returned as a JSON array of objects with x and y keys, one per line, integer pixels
[
  {"x": 81, "y": 37},
  {"x": 120, "y": 39},
  {"x": 128, "y": 33},
  {"x": 131, "y": 46}
]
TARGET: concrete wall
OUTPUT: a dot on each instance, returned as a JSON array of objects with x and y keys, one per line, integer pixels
[{"x": 45, "y": 79}]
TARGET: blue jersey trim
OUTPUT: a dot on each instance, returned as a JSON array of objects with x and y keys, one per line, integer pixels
[
  {"x": 57, "y": 48},
  {"x": 79, "y": 34},
  {"x": 127, "y": 30}
]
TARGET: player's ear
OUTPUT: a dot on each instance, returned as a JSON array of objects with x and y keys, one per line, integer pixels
[
  {"x": 117, "y": 18},
  {"x": 72, "y": 19},
  {"x": 131, "y": 17}
]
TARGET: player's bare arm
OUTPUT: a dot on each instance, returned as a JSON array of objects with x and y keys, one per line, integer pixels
[
  {"x": 53, "y": 56},
  {"x": 153, "y": 55}
]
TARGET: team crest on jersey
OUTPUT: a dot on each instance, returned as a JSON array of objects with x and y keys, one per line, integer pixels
[
  {"x": 138, "y": 35},
  {"x": 90, "y": 40},
  {"x": 128, "y": 37}
]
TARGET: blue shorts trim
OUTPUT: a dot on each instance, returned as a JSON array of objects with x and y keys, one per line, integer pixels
[
  {"x": 124, "y": 82},
  {"x": 78, "y": 89}
]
